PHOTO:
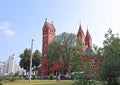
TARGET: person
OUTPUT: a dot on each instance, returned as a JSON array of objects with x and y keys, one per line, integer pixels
[{"x": 58, "y": 76}]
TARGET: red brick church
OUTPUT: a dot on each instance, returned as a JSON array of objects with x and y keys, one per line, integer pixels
[{"x": 48, "y": 35}]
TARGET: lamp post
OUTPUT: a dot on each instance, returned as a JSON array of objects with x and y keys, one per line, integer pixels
[{"x": 31, "y": 61}]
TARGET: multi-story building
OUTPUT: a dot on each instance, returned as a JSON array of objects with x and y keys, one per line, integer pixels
[
  {"x": 5, "y": 68},
  {"x": 10, "y": 66},
  {"x": 1, "y": 68},
  {"x": 48, "y": 37}
]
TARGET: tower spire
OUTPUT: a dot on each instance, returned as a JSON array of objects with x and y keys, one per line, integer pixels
[
  {"x": 45, "y": 19},
  {"x": 87, "y": 28},
  {"x": 79, "y": 23},
  {"x": 88, "y": 40},
  {"x": 80, "y": 31},
  {"x": 51, "y": 22}
]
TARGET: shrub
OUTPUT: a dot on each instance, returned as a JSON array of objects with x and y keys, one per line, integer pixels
[
  {"x": 1, "y": 78},
  {"x": 12, "y": 80},
  {"x": 20, "y": 78},
  {"x": 51, "y": 76},
  {"x": 35, "y": 77},
  {"x": 1, "y": 83},
  {"x": 72, "y": 76},
  {"x": 84, "y": 80}
]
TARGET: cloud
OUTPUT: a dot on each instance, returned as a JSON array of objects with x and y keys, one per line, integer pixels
[
  {"x": 4, "y": 25},
  {"x": 5, "y": 28},
  {"x": 9, "y": 32}
]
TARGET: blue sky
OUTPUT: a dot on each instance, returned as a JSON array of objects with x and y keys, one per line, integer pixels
[{"x": 22, "y": 20}]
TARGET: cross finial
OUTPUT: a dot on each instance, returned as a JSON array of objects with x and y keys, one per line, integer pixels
[
  {"x": 79, "y": 22},
  {"x": 52, "y": 22},
  {"x": 87, "y": 27},
  {"x": 45, "y": 19}
]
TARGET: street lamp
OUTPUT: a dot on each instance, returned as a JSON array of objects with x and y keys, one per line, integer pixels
[{"x": 31, "y": 61}]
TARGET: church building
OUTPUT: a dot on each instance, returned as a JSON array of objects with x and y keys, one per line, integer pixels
[{"x": 48, "y": 36}]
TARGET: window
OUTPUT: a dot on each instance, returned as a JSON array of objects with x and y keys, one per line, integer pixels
[
  {"x": 45, "y": 44},
  {"x": 92, "y": 67},
  {"x": 92, "y": 61},
  {"x": 44, "y": 35}
]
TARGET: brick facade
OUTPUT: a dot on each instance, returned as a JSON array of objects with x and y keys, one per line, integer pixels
[{"x": 49, "y": 36}]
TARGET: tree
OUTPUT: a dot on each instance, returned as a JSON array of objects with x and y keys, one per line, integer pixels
[
  {"x": 52, "y": 52},
  {"x": 65, "y": 48},
  {"x": 110, "y": 67},
  {"x": 76, "y": 55},
  {"x": 36, "y": 59},
  {"x": 25, "y": 59},
  {"x": 84, "y": 75}
]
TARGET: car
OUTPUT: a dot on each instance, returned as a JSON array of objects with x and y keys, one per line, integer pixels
[{"x": 45, "y": 77}]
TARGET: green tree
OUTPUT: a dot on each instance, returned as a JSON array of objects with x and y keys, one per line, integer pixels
[
  {"x": 76, "y": 55},
  {"x": 25, "y": 59},
  {"x": 110, "y": 67},
  {"x": 36, "y": 60},
  {"x": 64, "y": 48},
  {"x": 85, "y": 78},
  {"x": 52, "y": 52}
]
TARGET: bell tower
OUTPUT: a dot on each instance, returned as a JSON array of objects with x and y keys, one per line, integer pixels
[{"x": 48, "y": 31}]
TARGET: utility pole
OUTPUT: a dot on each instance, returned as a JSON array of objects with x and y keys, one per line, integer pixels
[{"x": 31, "y": 61}]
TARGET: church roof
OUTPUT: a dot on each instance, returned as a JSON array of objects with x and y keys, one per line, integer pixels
[
  {"x": 48, "y": 25},
  {"x": 88, "y": 35},
  {"x": 80, "y": 32}
]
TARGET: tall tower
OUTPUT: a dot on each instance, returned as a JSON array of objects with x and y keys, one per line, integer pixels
[
  {"x": 88, "y": 40},
  {"x": 82, "y": 36},
  {"x": 48, "y": 37}
]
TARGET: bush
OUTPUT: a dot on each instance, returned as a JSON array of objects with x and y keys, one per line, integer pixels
[
  {"x": 51, "y": 76},
  {"x": 20, "y": 78},
  {"x": 34, "y": 77},
  {"x": 72, "y": 76},
  {"x": 1, "y": 83},
  {"x": 84, "y": 80},
  {"x": 12, "y": 80},
  {"x": 1, "y": 78}
]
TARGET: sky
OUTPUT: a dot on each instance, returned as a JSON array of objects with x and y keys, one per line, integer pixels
[{"x": 22, "y": 20}]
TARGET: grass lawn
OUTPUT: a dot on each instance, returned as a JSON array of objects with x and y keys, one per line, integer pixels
[{"x": 40, "y": 82}]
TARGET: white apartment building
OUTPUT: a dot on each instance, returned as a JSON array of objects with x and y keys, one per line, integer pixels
[
  {"x": 5, "y": 67},
  {"x": 1, "y": 68},
  {"x": 10, "y": 66}
]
